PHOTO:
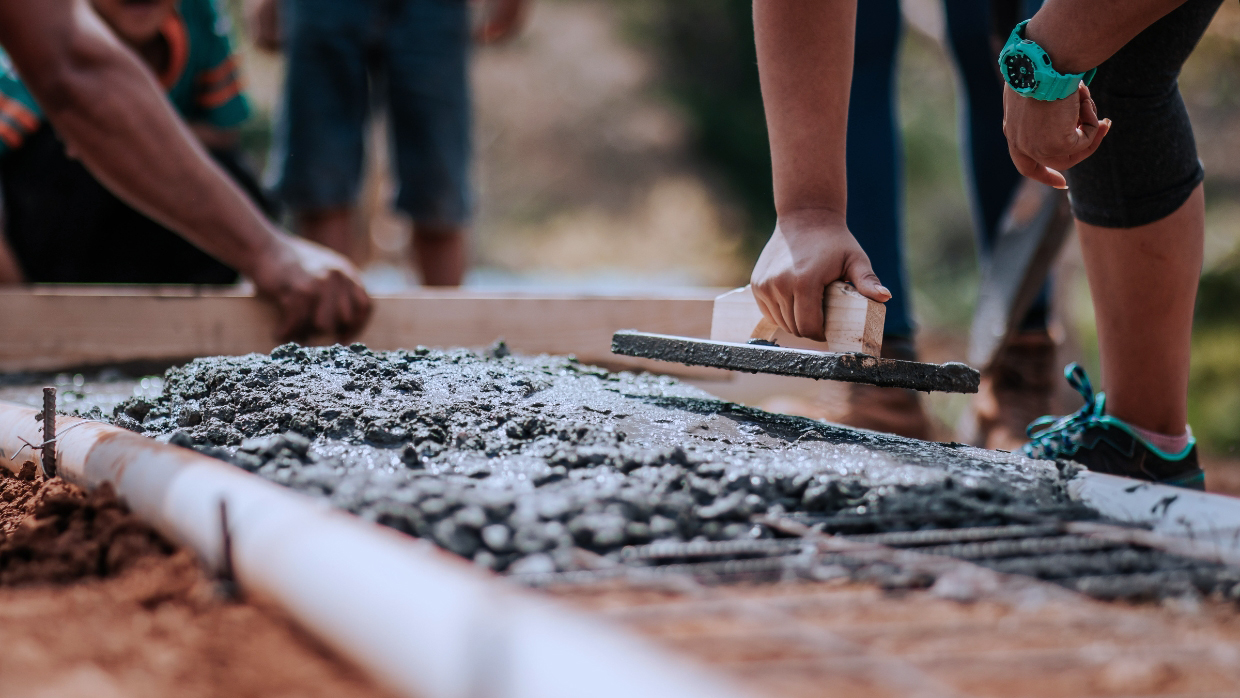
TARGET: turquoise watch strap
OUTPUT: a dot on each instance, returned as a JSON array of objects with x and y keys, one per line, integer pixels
[{"x": 1027, "y": 69}]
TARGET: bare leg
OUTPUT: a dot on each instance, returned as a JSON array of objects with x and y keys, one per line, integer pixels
[
  {"x": 1144, "y": 284},
  {"x": 439, "y": 253},
  {"x": 332, "y": 227},
  {"x": 10, "y": 272}
]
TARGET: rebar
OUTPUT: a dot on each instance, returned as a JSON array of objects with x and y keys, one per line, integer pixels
[
  {"x": 48, "y": 450},
  {"x": 940, "y": 536},
  {"x": 1022, "y": 547}
]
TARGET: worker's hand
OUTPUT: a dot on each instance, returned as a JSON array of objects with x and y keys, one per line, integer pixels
[
  {"x": 1047, "y": 137},
  {"x": 263, "y": 21},
  {"x": 502, "y": 19},
  {"x": 808, "y": 250},
  {"x": 318, "y": 291}
]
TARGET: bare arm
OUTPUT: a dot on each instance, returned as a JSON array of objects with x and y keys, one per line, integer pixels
[
  {"x": 113, "y": 116},
  {"x": 10, "y": 273},
  {"x": 1080, "y": 36},
  {"x": 805, "y": 56}
]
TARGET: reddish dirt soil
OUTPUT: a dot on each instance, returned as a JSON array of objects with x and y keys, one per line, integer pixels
[
  {"x": 815, "y": 639},
  {"x": 1222, "y": 475},
  {"x": 94, "y": 603}
]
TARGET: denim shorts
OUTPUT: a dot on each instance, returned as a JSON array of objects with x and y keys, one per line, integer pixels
[
  {"x": 346, "y": 57},
  {"x": 1147, "y": 165}
]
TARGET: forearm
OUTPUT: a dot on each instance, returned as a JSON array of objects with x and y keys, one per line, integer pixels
[
  {"x": 805, "y": 58},
  {"x": 10, "y": 272},
  {"x": 215, "y": 138},
  {"x": 1080, "y": 36},
  {"x": 113, "y": 116}
]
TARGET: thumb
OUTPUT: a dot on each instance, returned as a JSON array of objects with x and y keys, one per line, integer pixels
[{"x": 861, "y": 274}]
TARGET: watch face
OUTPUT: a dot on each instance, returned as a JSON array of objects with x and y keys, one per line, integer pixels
[{"x": 1019, "y": 68}]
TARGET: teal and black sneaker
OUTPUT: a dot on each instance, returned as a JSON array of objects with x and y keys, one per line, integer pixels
[{"x": 1105, "y": 444}]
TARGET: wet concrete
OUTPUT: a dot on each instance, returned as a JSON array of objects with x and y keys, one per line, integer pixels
[{"x": 521, "y": 462}]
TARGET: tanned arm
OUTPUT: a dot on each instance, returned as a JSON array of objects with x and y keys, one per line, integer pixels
[
  {"x": 113, "y": 116},
  {"x": 805, "y": 58}
]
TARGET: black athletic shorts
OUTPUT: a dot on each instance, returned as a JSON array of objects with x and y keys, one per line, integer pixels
[
  {"x": 1147, "y": 165},
  {"x": 65, "y": 227}
]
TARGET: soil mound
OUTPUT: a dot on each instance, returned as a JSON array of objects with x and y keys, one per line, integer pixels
[{"x": 55, "y": 532}]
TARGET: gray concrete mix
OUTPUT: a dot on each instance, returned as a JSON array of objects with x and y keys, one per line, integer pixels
[{"x": 520, "y": 462}]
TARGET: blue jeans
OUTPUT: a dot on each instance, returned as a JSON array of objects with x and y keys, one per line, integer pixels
[
  {"x": 345, "y": 56},
  {"x": 875, "y": 172}
]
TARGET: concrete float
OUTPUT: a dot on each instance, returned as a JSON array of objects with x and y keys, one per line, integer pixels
[{"x": 416, "y": 619}]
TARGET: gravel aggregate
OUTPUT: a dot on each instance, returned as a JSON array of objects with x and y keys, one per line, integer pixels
[{"x": 520, "y": 462}]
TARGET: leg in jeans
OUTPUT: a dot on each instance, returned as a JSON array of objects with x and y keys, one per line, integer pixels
[
  {"x": 319, "y": 133},
  {"x": 426, "y": 56},
  {"x": 875, "y": 176},
  {"x": 992, "y": 178},
  {"x": 1017, "y": 389}
]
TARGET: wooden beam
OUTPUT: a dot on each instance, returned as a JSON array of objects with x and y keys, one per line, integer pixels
[
  {"x": 854, "y": 323},
  {"x": 52, "y": 328}
]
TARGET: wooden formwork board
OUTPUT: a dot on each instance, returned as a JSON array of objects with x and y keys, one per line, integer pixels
[{"x": 51, "y": 328}]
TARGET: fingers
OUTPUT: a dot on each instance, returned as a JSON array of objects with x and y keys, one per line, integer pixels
[
  {"x": 1099, "y": 132},
  {"x": 1030, "y": 168},
  {"x": 295, "y": 312},
  {"x": 783, "y": 303},
  {"x": 764, "y": 306},
  {"x": 325, "y": 311},
  {"x": 771, "y": 303},
  {"x": 1088, "y": 111},
  {"x": 354, "y": 311},
  {"x": 807, "y": 312},
  {"x": 858, "y": 271}
]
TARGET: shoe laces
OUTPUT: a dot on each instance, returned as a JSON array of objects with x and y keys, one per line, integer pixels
[{"x": 1051, "y": 437}]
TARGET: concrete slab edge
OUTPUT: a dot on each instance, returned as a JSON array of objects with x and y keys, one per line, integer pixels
[{"x": 1209, "y": 522}]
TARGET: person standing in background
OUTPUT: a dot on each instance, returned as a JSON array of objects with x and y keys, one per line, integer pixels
[{"x": 411, "y": 56}]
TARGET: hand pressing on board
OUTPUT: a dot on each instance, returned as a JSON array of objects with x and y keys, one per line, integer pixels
[
  {"x": 317, "y": 291},
  {"x": 807, "y": 251}
]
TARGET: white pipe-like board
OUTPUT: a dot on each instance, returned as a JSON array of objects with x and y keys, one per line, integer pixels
[
  {"x": 1211, "y": 519},
  {"x": 419, "y": 620}
]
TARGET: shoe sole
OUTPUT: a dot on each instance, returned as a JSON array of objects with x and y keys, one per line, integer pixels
[{"x": 1192, "y": 480}]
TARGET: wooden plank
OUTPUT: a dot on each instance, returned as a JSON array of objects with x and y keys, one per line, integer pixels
[
  {"x": 51, "y": 328},
  {"x": 854, "y": 323}
]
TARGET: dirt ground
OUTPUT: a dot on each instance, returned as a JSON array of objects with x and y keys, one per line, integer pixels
[
  {"x": 1222, "y": 475},
  {"x": 94, "y": 603},
  {"x": 815, "y": 639}
]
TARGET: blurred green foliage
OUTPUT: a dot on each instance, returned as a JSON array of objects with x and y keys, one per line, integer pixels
[
  {"x": 1214, "y": 382},
  {"x": 709, "y": 67}
]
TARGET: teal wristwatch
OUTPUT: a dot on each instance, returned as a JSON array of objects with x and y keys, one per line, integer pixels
[{"x": 1027, "y": 70}]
